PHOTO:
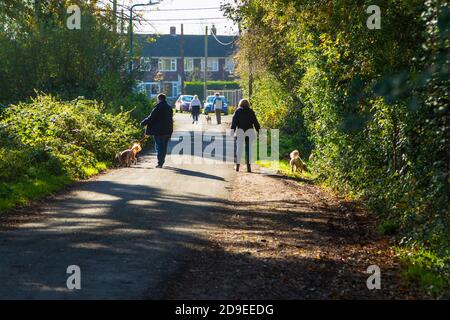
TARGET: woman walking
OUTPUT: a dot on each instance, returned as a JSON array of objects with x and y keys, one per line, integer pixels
[
  {"x": 244, "y": 122},
  {"x": 195, "y": 107}
]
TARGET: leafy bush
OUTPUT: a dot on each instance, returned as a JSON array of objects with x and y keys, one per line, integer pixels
[
  {"x": 48, "y": 138},
  {"x": 137, "y": 104}
]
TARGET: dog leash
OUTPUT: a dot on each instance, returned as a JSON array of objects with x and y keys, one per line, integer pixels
[{"x": 143, "y": 139}]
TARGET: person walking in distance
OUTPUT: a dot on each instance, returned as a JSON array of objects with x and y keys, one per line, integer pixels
[
  {"x": 195, "y": 107},
  {"x": 244, "y": 124},
  {"x": 160, "y": 125},
  {"x": 217, "y": 106}
]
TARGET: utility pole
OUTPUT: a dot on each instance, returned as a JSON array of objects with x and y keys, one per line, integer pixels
[
  {"x": 205, "y": 89},
  {"x": 250, "y": 76},
  {"x": 114, "y": 25},
  {"x": 122, "y": 23},
  {"x": 130, "y": 30},
  {"x": 250, "y": 79},
  {"x": 182, "y": 59}
]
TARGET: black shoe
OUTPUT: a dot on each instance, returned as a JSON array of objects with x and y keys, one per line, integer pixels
[
  {"x": 249, "y": 168},
  {"x": 158, "y": 166},
  {"x": 236, "y": 167}
]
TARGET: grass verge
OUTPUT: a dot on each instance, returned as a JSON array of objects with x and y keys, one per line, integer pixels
[
  {"x": 282, "y": 167},
  {"x": 27, "y": 189}
]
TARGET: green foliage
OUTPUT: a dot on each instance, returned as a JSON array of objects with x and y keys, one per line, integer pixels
[
  {"x": 137, "y": 104},
  {"x": 431, "y": 271},
  {"x": 196, "y": 87},
  {"x": 39, "y": 52},
  {"x": 388, "y": 227},
  {"x": 50, "y": 141},
  {"x": 371, "y": 106}
]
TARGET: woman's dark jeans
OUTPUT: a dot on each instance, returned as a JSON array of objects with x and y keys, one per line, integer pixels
[
  {"x": 238, "y": 154},
  {"x": 195, "y": 113}
]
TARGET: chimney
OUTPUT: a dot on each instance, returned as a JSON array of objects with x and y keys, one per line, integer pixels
[
  {"x": 173, "y": 31},
  {"x": 213, "y": 30}
]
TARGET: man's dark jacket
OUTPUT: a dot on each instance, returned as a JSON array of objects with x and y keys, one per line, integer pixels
[
  {"x": 245, "y": 118},
  {"x": 160, "y": 121}
]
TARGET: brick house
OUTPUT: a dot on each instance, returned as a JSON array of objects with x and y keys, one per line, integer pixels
[{"x": 164, "y": 55}]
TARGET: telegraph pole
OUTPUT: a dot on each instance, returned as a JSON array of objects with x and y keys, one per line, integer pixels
[
  {"x": 114, "y": 15},
  {"x": 250, "y": 79},
  {"x": 250, "y": 76},
  {"x": 205, "y": 89},
  {"x": 130, "y": 30},
  {"x": 182, "y": 59},
  {"x": 122, "y": 23}
]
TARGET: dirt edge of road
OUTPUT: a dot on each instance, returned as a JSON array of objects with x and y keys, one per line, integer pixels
[{"x": 282, "y": 240}]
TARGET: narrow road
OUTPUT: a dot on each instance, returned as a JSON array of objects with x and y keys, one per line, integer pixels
[{"x": 128, "y": 230}]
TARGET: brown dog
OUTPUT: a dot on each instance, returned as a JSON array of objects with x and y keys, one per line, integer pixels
[
  {"x": 208, "y": 119},
  {"x": 128, "y": 157}
]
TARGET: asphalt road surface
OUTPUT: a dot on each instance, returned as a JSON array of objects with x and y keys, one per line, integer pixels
[{"x": 129, "y": 230}]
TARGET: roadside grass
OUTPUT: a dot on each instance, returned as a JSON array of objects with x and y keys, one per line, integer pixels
[
  {"x": 430, "y": 271},
  {"x": 20, "y": 193},
  {"x": 45, "y": 183},
  {"x": 282, "y": 167}
]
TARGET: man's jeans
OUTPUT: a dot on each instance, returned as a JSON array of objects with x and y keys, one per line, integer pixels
[
  {"x": 161, "y": 143},
  {"x": 218, "y": 115}
]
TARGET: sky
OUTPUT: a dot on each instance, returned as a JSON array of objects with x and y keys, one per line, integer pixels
[{"x": 161, "y": 16}]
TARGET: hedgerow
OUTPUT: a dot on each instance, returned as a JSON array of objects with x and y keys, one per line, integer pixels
[
  {"x": 368, "y": 107},
  {"x": 52, "y": 139}
]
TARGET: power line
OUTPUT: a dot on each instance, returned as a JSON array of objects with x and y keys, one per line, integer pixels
[
  {"x": 190, "y": 19},
  {"x": 220, "y": 42},
  {"x": 189, "y": 23},
  {"x": 180, "y": 9}
]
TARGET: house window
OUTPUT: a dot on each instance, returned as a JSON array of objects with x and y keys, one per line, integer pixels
[
  {"x": 174, "y": 89},
  {"x": 213, "y": 64},
  {"x": 145, "y": 64},
  {"x": 148, "y": 64},
  {"x": 188, "y": 64},
  {"x": 152, "y": 88},
  {"x": 167, "y": 64},
  {"x": 229, "y": 65}
]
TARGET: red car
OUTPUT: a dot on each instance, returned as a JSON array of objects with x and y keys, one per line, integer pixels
[{"x": 183, "y": 102}]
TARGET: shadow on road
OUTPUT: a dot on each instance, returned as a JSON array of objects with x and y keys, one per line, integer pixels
[
  {"x": 194, "y": 173},
  {"x": 134, "y": 241}
]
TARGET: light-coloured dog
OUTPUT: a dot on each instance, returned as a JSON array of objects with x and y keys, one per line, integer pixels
[
  {"x": 208, "y": 119},
  {"x": 296, "y": 162},
  {"x": 128, "y": 157}
]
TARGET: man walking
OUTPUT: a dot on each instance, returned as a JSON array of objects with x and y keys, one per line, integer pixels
[
  {"x": 217, "y": 106},
  {"x": 160, "y": 125}
]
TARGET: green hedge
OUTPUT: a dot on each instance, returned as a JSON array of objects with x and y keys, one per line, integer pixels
[
  {"x": 48, "y": 143},
  {"x": 196, "y": 87}
]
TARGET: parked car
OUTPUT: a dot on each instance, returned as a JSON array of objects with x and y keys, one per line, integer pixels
[
  {"x": 209, "y": 107},
  {"x": 182, "y": 103}
]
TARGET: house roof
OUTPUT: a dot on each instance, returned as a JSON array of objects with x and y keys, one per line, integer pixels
[{"x": 167, "y": 45}]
